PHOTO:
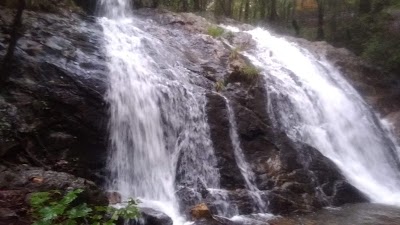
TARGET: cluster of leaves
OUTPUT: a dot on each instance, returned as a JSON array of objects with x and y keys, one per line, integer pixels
[
  {"x": 251, "y": 73},
  {"x": 53, "y": 208},
  {"x": 215, "y": 31}
]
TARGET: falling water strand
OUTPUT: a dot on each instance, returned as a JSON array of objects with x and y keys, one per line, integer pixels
[
  {"x": 310, "y": 99},
  {"x": 244, "y": 167},
  {"x": 158, "y": 119}
]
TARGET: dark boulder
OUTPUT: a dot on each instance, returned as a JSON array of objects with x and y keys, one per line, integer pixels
[{"x": 153, "y": 217}]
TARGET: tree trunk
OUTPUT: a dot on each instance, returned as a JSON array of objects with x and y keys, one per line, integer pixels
[
  {"x": 15, "y": 35},
  {"x": 272, "y": 13},
  {"x": 320, "y": 34},
  {"x": 246, "y": 10},
  {"x": 185, "y": 5},
  {"x": 365, "y": 6},
  {"x": 196, "y": 5}
]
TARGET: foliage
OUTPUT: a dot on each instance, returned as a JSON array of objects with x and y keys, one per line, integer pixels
[
  {"x": 53, "y": 208},
  {"x": 215, "y": 31},
  {"x": 43, "y": 5},
  {"x": 235, "y": 52},
  {"x": 251, "y": 73},
  {"x": 220, "y": 85},
  {"x": 383, "y": 51}
]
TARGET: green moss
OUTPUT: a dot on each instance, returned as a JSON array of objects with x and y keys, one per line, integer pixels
[
  {"x": 219, "y": 85},
  {"x": 215, "y": 31},
  {"x": 383, "y": 51},
  {"x": 251, "y": 73}
]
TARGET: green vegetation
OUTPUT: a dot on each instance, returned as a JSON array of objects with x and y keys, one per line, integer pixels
[
  {"x": 53, "y": 208},
  {"x": 251, "y": 73},
  {"x": 219, "y": 85},
  {"x": 235, "y": 52},
  {"x": 215, "y": 31}
]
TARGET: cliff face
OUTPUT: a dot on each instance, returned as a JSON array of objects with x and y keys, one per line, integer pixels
[{"x": 53, "y": 114}]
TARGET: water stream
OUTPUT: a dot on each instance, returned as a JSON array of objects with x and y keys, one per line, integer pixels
[{"x": 244, "y": 167}]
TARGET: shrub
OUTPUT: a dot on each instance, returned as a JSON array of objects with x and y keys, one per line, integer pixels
[
  {"x": 251, "y": 73},
  {"x": 53, "y": 208},
  {"x": 381, "y": 45},
  {"x": 215, "y": 31}
]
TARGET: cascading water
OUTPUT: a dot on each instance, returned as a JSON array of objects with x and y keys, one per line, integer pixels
[
  {"x": 312, "y": 102},
  {"x": 244, "y": 167},
  {"x": 156, "y": 114},
  {"x": 158, "y": 118}
]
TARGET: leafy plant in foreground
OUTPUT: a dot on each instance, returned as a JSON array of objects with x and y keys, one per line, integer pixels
[{"x": 53, "y": 208}]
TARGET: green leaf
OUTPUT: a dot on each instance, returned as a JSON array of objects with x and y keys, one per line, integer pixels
[
  {"x": 80, "y": 211},
  {"x": 70, "y": 222},
  {"x": 39, "y": 198},
  {"x": 70, "y": 196},
  {"x": 48, "y": 213},
  {"x": 101, "y": 208},
  {"x": 97, "y": 217},
  {"x": 42, "y": 223},
  {"x": 110, "y": 222}
]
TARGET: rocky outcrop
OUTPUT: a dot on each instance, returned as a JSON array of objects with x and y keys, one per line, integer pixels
[{"x": 53, "y": 113}]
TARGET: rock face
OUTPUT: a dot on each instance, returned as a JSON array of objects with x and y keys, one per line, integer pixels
[{"x": 53, "y": 115}]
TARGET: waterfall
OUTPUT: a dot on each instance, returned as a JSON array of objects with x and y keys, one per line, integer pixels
[
  {"x": 158, "y": 117},
  {"x": 313, "y": 103},
  {"x": 244, "y": 167}
]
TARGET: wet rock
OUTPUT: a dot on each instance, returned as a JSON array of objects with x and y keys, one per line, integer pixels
[
  {"x": 153, "y": 217},
  {"x": 114, "y": 197},
  {"x": 188, "y": 197},
  {"x": 219, "y": 127},
  {"x": 53, "y": 113},
  {"x": 345, "y": 193},
  {"x": 200, "y": 211}
]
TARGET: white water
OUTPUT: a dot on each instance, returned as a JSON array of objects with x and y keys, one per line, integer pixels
[
  {"x": 151, "y": 130},
  {"x": 244, "y": 167},
  {"x": 311, "y": 100}
]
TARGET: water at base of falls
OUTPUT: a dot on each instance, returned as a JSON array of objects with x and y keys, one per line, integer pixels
[{"x": 313, "y": 103}]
